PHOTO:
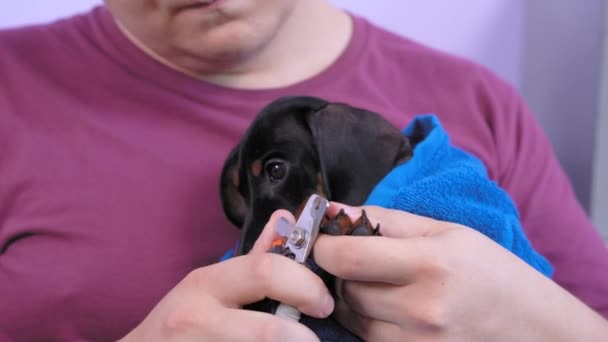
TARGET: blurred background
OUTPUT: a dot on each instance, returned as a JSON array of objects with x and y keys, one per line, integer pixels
[{"x": 555, "y": 52}]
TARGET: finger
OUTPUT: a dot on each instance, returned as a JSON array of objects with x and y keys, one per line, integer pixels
[
  {"x": 377, "y": 258},
  {"x": 416, "y": 310},
  {"x": 401, "y": 305},
  {"x": 393, "y": 223},
  {"x": 377, "y": 300},
  {"x": 366, "y": 328},
  {"x": 250, "y": 278},
  {"x": 268, "y": 234},
  {"x": 256, "y": 326}
]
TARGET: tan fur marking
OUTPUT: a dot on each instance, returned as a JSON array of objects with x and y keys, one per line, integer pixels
[
  {"x": 256, "y": 167},
  {"x": 235, "y": 179}
]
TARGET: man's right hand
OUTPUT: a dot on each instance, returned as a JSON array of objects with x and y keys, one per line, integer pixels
[{"x": 207, "y": 304}]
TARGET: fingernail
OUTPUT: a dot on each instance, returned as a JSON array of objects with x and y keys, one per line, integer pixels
[{"x": 328, "y": 305}]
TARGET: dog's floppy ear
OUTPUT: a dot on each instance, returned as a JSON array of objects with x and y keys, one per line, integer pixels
[
  {"x": 356, "y": 149},
  {"x": 233, "y": 201},
  {"x": 233, "y": 184}
]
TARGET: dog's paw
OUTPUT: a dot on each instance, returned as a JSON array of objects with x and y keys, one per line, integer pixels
[
  {"x": 363, "y": 227},
  {"x": 341, "y": 224}
]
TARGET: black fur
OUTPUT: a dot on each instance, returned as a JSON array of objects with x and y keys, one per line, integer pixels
[{"x": 332, "y": 149}]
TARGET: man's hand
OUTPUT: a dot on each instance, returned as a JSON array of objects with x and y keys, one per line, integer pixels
[
  {"x": 427, "y": 280},
  {"x": 206, "y": 305}
]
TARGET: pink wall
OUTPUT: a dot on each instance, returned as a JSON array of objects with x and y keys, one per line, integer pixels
[{"x": 13, "y": 13}]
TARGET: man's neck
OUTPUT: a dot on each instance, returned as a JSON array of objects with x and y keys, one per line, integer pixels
[{"x": 311, "y": 39}]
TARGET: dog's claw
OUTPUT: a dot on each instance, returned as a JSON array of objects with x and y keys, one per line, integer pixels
[
  {"x": 376, "y": 230},
  {"x": 341, "y": 224}
]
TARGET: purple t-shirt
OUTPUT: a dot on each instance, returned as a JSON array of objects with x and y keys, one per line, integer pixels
[{"x": 110, "y": 163}]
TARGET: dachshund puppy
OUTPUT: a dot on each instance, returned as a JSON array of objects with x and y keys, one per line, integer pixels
[{"x": 299, "y": 146}]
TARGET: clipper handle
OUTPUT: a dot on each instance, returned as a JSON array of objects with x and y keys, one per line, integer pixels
[{"x": 288, "y": 312}]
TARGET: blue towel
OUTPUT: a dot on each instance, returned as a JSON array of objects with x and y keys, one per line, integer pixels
[{"x": 446, "y": 183}]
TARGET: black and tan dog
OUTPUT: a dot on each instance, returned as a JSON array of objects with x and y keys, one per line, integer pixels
[{"x": 299, "y": 146}]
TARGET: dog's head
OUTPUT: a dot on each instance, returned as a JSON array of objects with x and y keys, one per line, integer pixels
[{"x": 299, "y": 146}]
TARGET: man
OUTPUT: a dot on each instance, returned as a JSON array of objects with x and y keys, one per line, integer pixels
[{"x": 115, "y": 125}]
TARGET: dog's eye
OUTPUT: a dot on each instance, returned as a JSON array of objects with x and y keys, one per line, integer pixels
[{"x": 275, "y": 170}]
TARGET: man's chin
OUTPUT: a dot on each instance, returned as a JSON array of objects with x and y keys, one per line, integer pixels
[{"x": 213, "y": 59}]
